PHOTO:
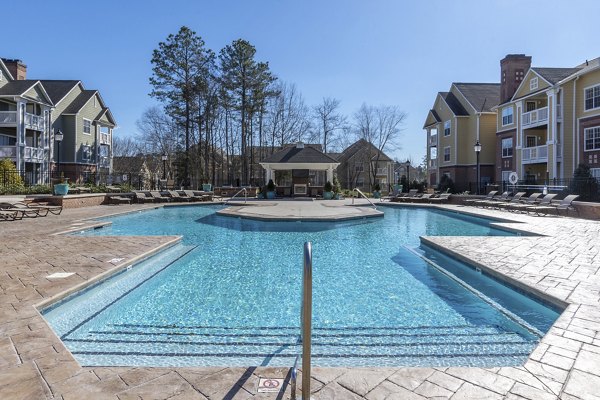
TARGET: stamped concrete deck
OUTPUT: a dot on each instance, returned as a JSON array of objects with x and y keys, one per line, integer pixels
[{"x": 34, "y": 364}]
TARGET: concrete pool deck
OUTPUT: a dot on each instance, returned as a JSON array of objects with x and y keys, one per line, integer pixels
[{"x": 34, "y": 364}]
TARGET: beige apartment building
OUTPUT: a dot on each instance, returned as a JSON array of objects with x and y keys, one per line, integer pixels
[{"x": 458, "y": 119}]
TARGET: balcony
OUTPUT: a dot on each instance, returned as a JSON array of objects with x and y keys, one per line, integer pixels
[
  {"x": 433, "y": 163},
  {"x": 433, "y": 140},
  {"x": 8, "y": 152},
  {"x": 104, "y": 138},
  {"x": 559, "y": 152},
  {"x": 34, "y": 154},
  {"x": 8, "y": 118},
  {"x": 534, "y": 118},
  {"x": 104, "y": 162},
  {"x": 533, "y": 155}
]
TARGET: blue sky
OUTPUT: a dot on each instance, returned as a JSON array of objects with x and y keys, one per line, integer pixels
[{"x": 373, "y": 51}]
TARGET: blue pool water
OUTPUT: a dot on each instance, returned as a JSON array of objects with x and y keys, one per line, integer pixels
[{"x": 230, "y": 295}]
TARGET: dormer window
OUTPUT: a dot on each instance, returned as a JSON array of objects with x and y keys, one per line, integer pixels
[{"x": 533, "y": 83}]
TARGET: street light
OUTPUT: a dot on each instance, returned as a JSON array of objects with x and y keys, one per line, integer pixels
[
  {"x": 408, "y": 175},
  {"x": 477, "y": 148},
  {"x": 164, "y": 160},
  {"x": 58, "y": 137}
]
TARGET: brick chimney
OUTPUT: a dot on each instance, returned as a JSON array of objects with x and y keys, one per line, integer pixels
[
  {"x": 17, "y": 69},
  {"x": 513, "y": 68}
]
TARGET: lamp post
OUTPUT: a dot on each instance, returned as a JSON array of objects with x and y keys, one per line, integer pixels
[
  {"x": 477, "y": 148},
  {"x": 164, "y": 160},
  {"x": 58, "y": 137},
  {"x": 408, "y": 175}
]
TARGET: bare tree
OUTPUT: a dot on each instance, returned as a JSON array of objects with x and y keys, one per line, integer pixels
[
  {"x": 381, "y": 127},
  {"x": 328, "y": 120},
  {"x": 157, "y": 132},
  {"x": 288, "y": 117},
  {"x": 125, "y": 147}
]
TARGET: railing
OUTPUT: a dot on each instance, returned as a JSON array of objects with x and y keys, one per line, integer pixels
[
  {"x": 33, "y": 121},
  {"x": 34, "y": 154},
  {"x": 433, "y": 140},
  {"x": 104, "y": 138},
  {"x": 8, "y": 117},
  {"x": 363, "y": 195},
  {"x": 104, "y": 162},
  {"x": 433, "y": 163},
  {"x": 535, "y": 154},
  {"x": 558, "y": 150},
  {"x": 305, "y": 327},
  {"x": 238, "y": 192},
  {"x": 535, "y": 118},
  {"x": 8, "y": 151}
]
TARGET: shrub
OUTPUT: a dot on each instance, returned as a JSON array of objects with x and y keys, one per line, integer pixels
[
  {"x": 328, "y": 187},
  {"x": 446, "y": 183},
  {"x": 271, "y": 186},
  {"x": 337, "y": 188},
  {"x": 376, "y": 187},
  {"x": 584, "y": 184},
  {"x": 9, "y": 176}
]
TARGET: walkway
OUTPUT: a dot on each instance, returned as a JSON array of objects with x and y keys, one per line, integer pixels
[{"x": 34, "y": 364}]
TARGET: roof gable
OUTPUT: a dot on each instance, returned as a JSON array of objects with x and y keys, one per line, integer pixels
[
  {"x": 555, "y": 75},
  {"x": 79, "y": 102},
  {"x": 432, "y": 118},
  {"x": 524, "y": 88},
  {"x": 38, "y": 93},
  {"x": 362, "y": 146},
  {"x": 295, "y": 154},
  {"x": 453, "y": 104},
  {"x": 59, "y": 89},
  {"x": 481, "y": 97}
]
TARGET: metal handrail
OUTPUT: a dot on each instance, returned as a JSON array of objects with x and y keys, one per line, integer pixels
[
  {"x": 238, "y": 192},
  {"x": 305, "y": 327},
  {"x": 363, "y": 195}
]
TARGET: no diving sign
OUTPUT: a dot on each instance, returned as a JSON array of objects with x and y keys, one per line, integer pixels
[{"x": 269, "y": 385}]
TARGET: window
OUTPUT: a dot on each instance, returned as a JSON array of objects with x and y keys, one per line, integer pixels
[
  {"x": 591, "y": 138},
  {"x": 507, "y": 147},
  {"x": 359, "y": 168},
  {"x": 592, "y": 98},
  {"x": 447, "y": 128},
  {"x": 104, "y": 130},
  {"x": 595, "y": 173},
  {"x": 381, "y": 171},
  {"x": 446, "y": 154},
  {"x": 507, "y": 116},
  {"x": 533, "y": 83},
  {"x": 360, "y": 182},
  {"x": 519, "y": 75},
  {"x": 7, "y": 140},
  {"x": 506, "y": 175},
  {"x": 87, "y": 126},
  {"x": 86, "y": 153}
]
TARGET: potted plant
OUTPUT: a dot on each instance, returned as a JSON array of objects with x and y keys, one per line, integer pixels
[
  {"x": 61, "y": 188},
  {"x": 271, "y": 189},
  {"x": 328, "y": 191},
  {"x": 206, "y": 187},
  {"x": 260, "y": 193},
  {"x": 377, "y": 191}
]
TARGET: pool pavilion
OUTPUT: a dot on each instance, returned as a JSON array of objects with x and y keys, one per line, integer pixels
[{"x": 299, "y": 170}]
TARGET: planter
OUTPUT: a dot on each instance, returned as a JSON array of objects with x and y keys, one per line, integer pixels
[
  {"x": 328, "y": 195},
  {"x": 260, "y": 196},
  {"x": 376, "y": 194},
  {"x": 206, "y": 187},
  {"x": 270, "y": 195},
  {"x": 61, "y": 189},
  {"x": 336, "y": 196}
]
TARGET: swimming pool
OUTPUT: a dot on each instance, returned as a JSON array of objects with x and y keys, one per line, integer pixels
[{"x": 230, "y": 295}]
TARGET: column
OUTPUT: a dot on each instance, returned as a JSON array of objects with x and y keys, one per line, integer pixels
[{"x": 330, "y": 174}]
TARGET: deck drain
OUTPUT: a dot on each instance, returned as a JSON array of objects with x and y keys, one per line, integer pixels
[
  {"x": 269, "y": 385},
  {"x": 58, "y": 275}
]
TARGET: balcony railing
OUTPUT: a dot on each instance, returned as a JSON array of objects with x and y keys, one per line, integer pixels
[
  {"x": 8, "y": 117},
  {"x": 104, "y": 138},
  {"x": 433, "y": 140},
  {"x": 559, "y": 112},
  {"x": 535, "y": 118},
  {"x": 104, "y": 162},
  {"x": 433, "y": 163},
  {"x": 34, "y": 154},
  {"x": 537, "y": 154},
  {"x": 33, "y": 121},
  {"x": 8, "y": 151},
  {"x": 559, "y": 151}
]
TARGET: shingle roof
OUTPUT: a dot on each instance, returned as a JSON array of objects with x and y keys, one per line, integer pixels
[
  {"x": 79, "y": 102},
  {"x": 482, "y": 96},
  {"x": 359, "y": 145},
  {"x": 453, "y": 103},
  {"x": 58, "y": 89},
  {"x": 554, "y": 75},
  {"x": 17, "y": 88},
  {"x": 293, "y": 154}
]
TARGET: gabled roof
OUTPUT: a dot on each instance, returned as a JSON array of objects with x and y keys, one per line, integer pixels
[
  {"x": 58, "y": 89},
  {"x": 362, "y": 144},
  {"x": 20, "y": 87},
  {"x": 294, "y": 154},
  {"x": 481, "y": 96},
  {"x": 79, "y": 102},
  {"x": 554, "y": 75},
  {"x": 455, "y": 106},
  {"x": 129, "y": 164},
  {"x": 6, "y": 71},
  {"x": 432, "y": 118},
  {"x": 108, "y": 115}
]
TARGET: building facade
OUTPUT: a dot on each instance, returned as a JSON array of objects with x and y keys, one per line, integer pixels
[{"x": 363, "y": 165}]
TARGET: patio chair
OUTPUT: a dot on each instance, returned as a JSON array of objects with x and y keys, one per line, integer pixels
[
  {"x": 502, "y": 202},
  {"x": 55, "y": 210},
  {"x": 204, "y": 196},
  {"x": 490, "y": 195},
  {"x": 533, "y": 199},
  {"x": 424, "y": 198},
  {"x": 442, "y": 198},
  {"x": 177, "y": 197},
  {"x": 483, "y": 202},
  {"x": 119, "y": 200},
  {"x": 23, "y": 210},
  {"x": 9, "y": 215},
  {"x": 158, "y": 197},
  {"x": 526, "y": 208},
  {"x": 412, "y": 195},
  {"x": 565, "y": 204},
  {"x": 141, "y": 197}
]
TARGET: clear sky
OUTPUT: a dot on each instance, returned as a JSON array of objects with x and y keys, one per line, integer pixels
[{"x": 374, "y": 51}]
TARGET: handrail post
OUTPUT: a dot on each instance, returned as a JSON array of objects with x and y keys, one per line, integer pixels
[{"x": 306, "y": 320}]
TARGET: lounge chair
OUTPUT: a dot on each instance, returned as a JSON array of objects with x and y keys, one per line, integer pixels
[
  {"x": 158, "y": 197},
  {"x": 490, "y": 196},
  {"x": 484, "y": 202},
  {"x": 191, "y": 195},
  {"x": 442, "y": 198},
  {"x": 204, "y": 196},
  {"x": 141, "y": 197},
  {"x": 9, "y": 215},
  {"x": 56, "y": 210},
  {"x": 546, "y": 201},
  {"x": 119, "y": 200},
  {"x": 503, "y": 202},
  {"x": 565, "y": 204},
  {"x": 412, "y": 195},
  {"x": 23, "y": 210},
  {"x": 424, "y": 198},
  {"x": 532, "y": 200},
  {"x": 177, "y": 197}
]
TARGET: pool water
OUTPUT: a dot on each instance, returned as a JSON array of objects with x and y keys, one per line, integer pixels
[{"x": 230, "y": 295}]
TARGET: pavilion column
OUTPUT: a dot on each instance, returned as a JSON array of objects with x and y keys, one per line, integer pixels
[
  {"x": 269, "y": 174},
  {"x": 330, "y": 174}
]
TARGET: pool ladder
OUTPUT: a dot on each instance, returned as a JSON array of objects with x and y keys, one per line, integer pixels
[
  {"x": 363, "y": 195},
  {"x": 305, "y": 327}
]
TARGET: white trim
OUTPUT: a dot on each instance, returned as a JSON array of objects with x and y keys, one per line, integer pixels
[
  {"x": 512, "y": 115},
  {"x": 584, "y": 89},
  {"x": 512, "y": 147},
  {"x": 83, "y": 126},
  {"x": 449, "y": 155},
  {"x": 533, "y": 83},
  {"x": 585, "y": 140},
  {"x": 449, "y": 122}
]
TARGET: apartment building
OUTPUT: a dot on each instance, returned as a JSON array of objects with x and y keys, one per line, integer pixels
[
  {"x": 362, "y": 165},
  {"x": 458, "y": 120},
  {"x": 548, "y": 121},
  {"x": 33, "y": 111}
]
